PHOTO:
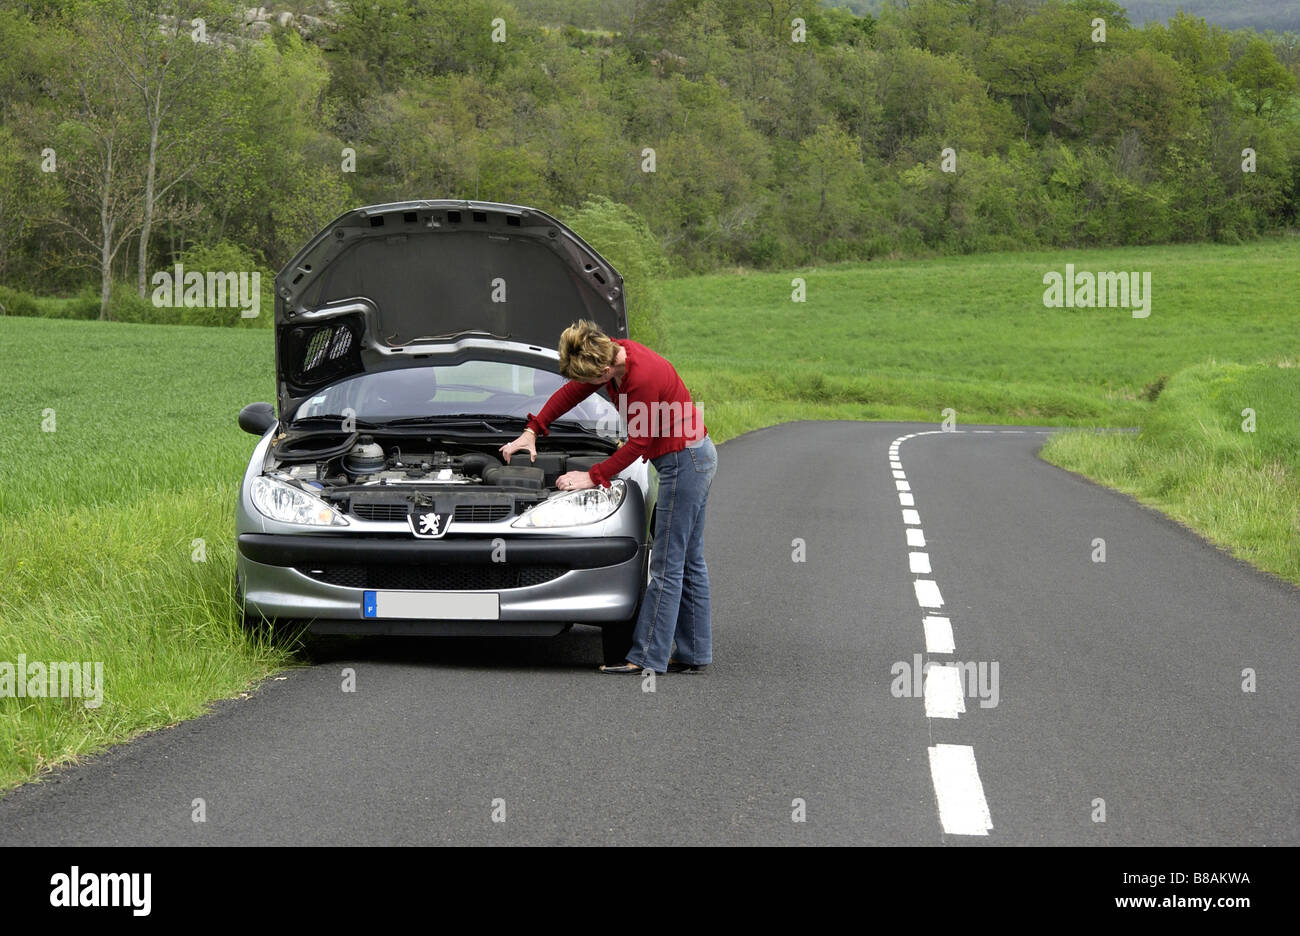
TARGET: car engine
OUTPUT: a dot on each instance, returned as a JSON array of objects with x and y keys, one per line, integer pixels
[{"x": 380, "y": 478}]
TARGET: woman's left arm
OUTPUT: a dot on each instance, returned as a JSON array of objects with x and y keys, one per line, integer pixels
[
  {"x": 602, "y": 472},
  {"x": 627, "y": 453}
]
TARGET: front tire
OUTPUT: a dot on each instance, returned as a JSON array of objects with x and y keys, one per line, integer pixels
[
  {"x": 616, "y": 641},
  {"x": 279, "y": 631},
  {"x": 616, "y": 638}
]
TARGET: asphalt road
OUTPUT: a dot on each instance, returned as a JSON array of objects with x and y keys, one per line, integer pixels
[{"x": 1119, "y": 682}]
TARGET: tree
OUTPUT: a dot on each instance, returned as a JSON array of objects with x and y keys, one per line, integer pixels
[
  {"x": 1144, "y": 92},
  {"x": 821, "y": 197},
  {"x": 1261, "y": 78},
  {"x": 1041, "y": 62},
  {"x": 154, "y": 49},
  {"x": 99, "y": 153},
  {"x": 278, "y": 175}
]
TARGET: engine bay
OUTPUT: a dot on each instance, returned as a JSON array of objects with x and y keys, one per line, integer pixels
[{"x": 379, "y": 476}]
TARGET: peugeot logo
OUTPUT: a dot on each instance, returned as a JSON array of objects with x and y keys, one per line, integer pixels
[{"x": 429, "y": 524}]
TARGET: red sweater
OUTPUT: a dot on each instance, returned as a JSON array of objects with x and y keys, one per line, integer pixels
[{"x": 660, "y": 415}]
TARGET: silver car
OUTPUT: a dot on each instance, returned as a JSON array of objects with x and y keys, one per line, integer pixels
[{"x": 411, "y": 341}]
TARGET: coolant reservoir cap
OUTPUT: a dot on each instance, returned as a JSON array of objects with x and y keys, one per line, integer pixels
[{"x": 364, "y": 457}]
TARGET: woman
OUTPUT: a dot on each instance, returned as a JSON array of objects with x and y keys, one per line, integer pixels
[{"x": 673, "y": 437}]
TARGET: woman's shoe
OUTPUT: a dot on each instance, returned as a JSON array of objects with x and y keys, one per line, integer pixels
[{"x": 623, "y": 668}]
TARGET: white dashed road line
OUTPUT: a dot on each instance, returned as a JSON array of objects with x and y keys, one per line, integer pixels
[
  {"x": 927, "y": 593},
  {"x": 963, "y": 809},
  {"x": 943, "y": 691},
  {"x": 938, "y": 634}
]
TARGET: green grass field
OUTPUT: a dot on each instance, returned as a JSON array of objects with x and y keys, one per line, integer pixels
[
  {"x": 904, "y": 340},
  {"x": 100, "y": 517}
]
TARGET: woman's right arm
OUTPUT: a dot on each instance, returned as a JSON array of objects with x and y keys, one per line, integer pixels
[
  {"x": 562, "y": 400},
  {"x": 527, "y": 442}
]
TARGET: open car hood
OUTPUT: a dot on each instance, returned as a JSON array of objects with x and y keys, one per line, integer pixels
[{"x": 411, "y": 283}]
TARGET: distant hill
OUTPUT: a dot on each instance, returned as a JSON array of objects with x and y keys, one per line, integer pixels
[{"x": 1260, "y": 15}]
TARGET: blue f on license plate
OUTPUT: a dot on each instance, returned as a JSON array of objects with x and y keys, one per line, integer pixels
[{"x": 426, "y": 605}]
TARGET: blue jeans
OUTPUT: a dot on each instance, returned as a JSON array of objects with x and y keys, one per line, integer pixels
[{"x": 676, "y": 603}]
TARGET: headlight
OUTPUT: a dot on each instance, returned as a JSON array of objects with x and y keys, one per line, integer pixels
[
  {"x": 576, "y": 507},
  {"x": 288, "y": 504}
]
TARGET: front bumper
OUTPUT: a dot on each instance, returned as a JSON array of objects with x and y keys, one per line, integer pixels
[
  {"x": 577, "y": 552},
  {"x": 279, "y": 577}
]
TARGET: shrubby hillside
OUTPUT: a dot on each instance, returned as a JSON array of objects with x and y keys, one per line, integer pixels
[{"x": 736, "y": 131}]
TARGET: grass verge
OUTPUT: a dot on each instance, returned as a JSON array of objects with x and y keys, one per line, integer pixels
[
  {"x": 116, "y": 527},
  {"x": 1205, "y": 460}
]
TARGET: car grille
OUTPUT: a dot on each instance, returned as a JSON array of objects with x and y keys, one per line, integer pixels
[
  {"x": 482, "y": 513},
  {"x": 437, "y": 577},
  {"x": 387, "y": 513},
  {"x": 465, "y": 513}
]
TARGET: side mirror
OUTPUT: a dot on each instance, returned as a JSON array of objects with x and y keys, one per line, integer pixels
[{"x": 257, "y": 418}]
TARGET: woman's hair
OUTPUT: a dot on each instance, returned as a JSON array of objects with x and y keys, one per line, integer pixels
[{"x": 585, "y": 351}]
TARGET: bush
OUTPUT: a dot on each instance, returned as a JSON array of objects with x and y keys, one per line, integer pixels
[
  {"x": 763, "y": 251},
  {"x": 622, "y": 237},
  {"x": 85, "y": 305},
  {"x": 223, "y": 258},
  {"x": 879, "y": 245},
  {"x": 16, "y": 302},
  {"x": 126, "y": 305},
  {"x": 838, "y": 250}
]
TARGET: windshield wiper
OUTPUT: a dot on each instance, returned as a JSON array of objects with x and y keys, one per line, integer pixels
[
  {"x": 574, "y": 425},
  {"x": 456, "y": 419},
  {"x": 492, "y": 421},
  {"x": 330, "y": 419}
]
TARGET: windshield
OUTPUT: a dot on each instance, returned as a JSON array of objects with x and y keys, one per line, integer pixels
[{"x": 471, "y": 388}]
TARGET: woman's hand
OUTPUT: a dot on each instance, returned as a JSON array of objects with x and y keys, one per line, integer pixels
[
  {"x": 574, "y": 481},
  {"x": 527, "y": 442}
]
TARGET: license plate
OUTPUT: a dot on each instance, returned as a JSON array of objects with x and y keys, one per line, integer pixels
[{"x": 425, "y": 605}]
